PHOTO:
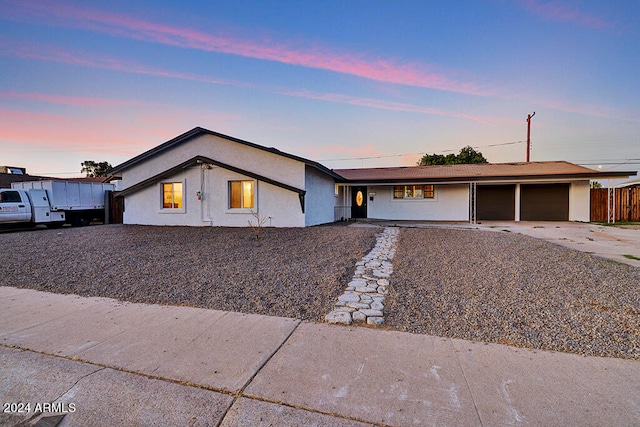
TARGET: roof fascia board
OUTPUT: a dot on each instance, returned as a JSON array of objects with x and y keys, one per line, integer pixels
[{"x": 466, "y": 180}]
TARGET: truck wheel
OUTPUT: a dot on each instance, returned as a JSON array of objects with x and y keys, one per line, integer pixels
[{"x": 75, "y": 220}]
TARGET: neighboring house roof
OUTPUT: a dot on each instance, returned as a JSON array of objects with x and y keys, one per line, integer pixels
[
  {"x": 198, "y": 131},
  {"x": 632, "y": 183},
  {"x": 7, "y": 178},
  {"x": 476, "y": 172}
]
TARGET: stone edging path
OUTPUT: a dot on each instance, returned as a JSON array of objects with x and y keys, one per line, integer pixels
[{"x": 363, "y": 297}]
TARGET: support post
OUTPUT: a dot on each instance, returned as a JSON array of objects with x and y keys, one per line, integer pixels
[
  {"x": 518, "y": 198},
  {"x": 611, "y": 204},
  {"x": 473, "y": 206}
]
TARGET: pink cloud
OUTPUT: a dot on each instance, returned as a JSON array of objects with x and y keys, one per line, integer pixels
[
  {"x": 317, "y": 56},
  {"x": 555, "y": 11},
  {"x": 68, "y": 100},
  {"x": 380, "y": 104},
  {"x": 53, "y": 53},
  {"x": 110, "y": 134}
]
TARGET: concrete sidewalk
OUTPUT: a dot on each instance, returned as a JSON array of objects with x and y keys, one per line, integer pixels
[{"x": 104, "y": 362}]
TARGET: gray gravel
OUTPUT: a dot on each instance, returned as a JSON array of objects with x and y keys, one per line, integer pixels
[
  {"x": 512, "y": 289},
  {"x": 290, "y": 272},
  {"x": 478, "y": 285}
]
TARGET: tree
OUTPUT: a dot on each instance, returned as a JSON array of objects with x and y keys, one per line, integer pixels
[
  {"x": 93, "y": 169},
  {"x": 466, "y": 156},
  {"x": 595, "y": 184}
]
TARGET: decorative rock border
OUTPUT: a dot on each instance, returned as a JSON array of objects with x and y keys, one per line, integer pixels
[{"x": 363, "y": 297}]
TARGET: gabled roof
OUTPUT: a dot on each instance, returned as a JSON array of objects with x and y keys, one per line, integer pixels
[
  {"x": 198, "y": 131},
  {"x": 476, "y": 172}
]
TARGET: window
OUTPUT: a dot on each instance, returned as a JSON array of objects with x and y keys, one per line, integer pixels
[
  {"x": 413, "y": 192},
  {"x": 10, "y": 197},
  {"x": 241, "y": 194},
  {"x": 172, "y": 195}
]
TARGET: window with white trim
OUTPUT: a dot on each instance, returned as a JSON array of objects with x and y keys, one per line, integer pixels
[
  {"x": 172, "y": 193},
  {"x": 413, "y": 191},
  {"x": 241, "y": 194}
]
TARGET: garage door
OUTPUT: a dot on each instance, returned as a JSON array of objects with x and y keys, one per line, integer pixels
[
  {"x": 496, "y": 202},
  {"x": 544, "y": 202}
]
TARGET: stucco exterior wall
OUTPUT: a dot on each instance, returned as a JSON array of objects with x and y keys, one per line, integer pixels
[
  {"x": 580, "y": 201},
  {"x": 280, "y": 168},
  {"x": 145, "y": 206},
  {"x": 320, "y": 198},
  {"x": 280, "y": 207},
  {"x": 451, "y": 203}
]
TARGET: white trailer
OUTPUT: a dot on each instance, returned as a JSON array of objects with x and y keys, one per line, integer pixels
[{"x": 53, "y": 202}]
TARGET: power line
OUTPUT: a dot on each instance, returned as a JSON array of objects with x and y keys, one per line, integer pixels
[{"x": 420, "y": 153}]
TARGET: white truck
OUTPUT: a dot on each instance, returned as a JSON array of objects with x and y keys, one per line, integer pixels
[{"x": 53, "y": 203}]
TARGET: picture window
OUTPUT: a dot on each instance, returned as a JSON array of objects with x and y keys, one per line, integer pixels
[{"x": 413, "y": 191}]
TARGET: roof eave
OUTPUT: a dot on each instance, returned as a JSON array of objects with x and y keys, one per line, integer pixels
[{"x": 475, "y": 178}]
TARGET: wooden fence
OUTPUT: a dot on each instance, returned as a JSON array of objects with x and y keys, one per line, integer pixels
[
  {"x": 627, "y": 204},
  {"x": 115, "y": 208}
]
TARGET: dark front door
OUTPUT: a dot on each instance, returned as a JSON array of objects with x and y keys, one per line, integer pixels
[{"x": 358, "y": 202}]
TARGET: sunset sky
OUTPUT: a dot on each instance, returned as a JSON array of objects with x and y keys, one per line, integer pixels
[{"x": 347, "y": 83}]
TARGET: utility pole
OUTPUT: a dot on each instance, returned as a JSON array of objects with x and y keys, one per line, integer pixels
[{"x": 529, "y": 134}]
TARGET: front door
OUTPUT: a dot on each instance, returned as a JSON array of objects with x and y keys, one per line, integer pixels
[{"x": 358, "y": 202}]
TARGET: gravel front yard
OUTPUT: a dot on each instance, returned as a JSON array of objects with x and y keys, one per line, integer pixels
[
  {"x": 290, "y": 272},
  {"x": 512, "y": 289},
  {"x": 477, "y": 285}
]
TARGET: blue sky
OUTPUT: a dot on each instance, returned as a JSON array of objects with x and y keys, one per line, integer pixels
[{"x": 347, "y": 83}]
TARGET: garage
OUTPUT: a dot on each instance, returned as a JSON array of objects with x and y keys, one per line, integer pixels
[
  {"x": 496, "y": 202},
  {"x": 544, "y": 202}
]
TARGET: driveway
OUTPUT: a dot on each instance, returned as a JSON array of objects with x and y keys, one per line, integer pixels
[{"x": 605, "y": 241}]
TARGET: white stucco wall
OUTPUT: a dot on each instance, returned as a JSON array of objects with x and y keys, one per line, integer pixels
[
  {"x": 280, "y": 207},
  {"x": 277, "y": 167},
  {"x": 145, "y": 206},
  {"x": 320, "y": 198},
  {"x": 451, "y": 203},
  {"x": 580, "y": 201}
]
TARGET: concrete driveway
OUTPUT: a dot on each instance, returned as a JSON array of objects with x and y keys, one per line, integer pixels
[{"x": 612, "y": 242}]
